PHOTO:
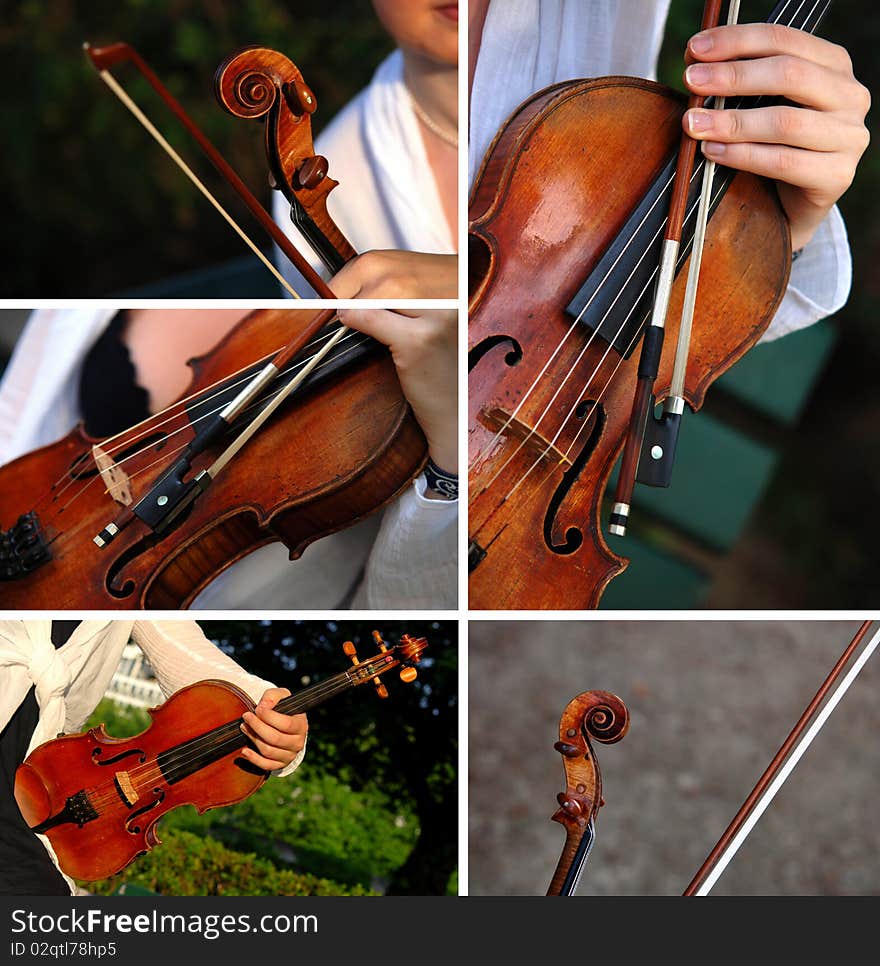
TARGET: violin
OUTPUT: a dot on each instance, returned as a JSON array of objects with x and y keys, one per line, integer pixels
[
  {"x": 603, "y": 717},
  {"x": 565, "y": 255},
  {"x": 293, "y": 426},
  {"x": 98, "y": 799}
]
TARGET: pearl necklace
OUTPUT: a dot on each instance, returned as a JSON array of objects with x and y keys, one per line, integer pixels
[{"x": 431, "y": 124}]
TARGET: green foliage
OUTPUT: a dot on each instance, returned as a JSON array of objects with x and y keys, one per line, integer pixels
[
  {"x": 97, "y": 207},
  {"x": 118, "y": 721},
  {"x": 374, "y": 804},
  {"x": 187, "y": 865},
  {"x": 313, "y": 822}
]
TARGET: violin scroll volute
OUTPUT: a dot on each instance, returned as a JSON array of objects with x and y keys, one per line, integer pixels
[{"x": 257, "y": 83}]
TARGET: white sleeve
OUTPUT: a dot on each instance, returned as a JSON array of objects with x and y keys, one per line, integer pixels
[
  {"x": 413, "y": 563},
  {"x": 820, "y": 280},
  {"x": 180, "y": 654}
]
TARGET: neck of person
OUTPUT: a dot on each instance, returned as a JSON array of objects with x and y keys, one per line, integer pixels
[{"x": 435, "y": 87}]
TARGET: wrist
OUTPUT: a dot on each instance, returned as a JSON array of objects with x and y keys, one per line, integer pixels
[{"x": 442, "y": 484}]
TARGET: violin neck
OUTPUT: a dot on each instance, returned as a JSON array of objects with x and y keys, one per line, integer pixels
[
  {"x": 800, "y": 14},
  {"x": 316, "y": 694}
]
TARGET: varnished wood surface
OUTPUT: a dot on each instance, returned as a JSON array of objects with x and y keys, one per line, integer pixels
[
  {"x": 558, "y": 184},
  {"x": 324, "y": 461},
  {"x": 63, "y": 767}
]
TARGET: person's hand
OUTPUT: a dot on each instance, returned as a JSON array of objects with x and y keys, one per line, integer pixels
[
  {"x": 810, "y": 146},
  {"x": 397, "y": 275},
  {"x": 278, "y": 738},
  {"x": 423, "y": 346}
]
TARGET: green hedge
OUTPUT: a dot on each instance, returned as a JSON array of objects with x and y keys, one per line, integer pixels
[{"x": 188, "y": 865}]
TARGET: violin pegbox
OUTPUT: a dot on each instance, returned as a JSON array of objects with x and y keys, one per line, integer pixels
[
  {"x": 261, "y": 84},
  {"x": 405, "y": 655},
  {"x": 603, "y": 717}
]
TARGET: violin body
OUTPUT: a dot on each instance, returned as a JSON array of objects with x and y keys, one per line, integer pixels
[
  {"x": 333, "y": 453},
  {"x": 558, "y": 184},
  {"x": 126, "y": 792},
  {"x": 98, "y": 798}
]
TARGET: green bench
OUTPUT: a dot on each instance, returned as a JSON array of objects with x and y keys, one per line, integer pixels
[{"x": 726, "y": 459}]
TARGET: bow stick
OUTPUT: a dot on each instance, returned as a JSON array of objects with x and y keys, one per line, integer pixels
[
  {"x": 171, "y": 494},
  {"x": 652, "y": 344},
  {"x": 604, "y": 717},
  {"x": 105, "y": 58},
  {"x": 784, "y": 762},
  {"x": 661, "y": 434}
]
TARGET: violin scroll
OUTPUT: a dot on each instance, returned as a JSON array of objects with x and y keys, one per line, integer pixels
[
  {"x": 251, "y": 80},
  {"x": 597, "y": 715},
  {"x": 257, "y": 83}
]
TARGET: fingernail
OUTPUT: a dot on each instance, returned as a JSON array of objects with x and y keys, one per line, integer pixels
[
  {"x": 714, "y": 149},
  {"x": 699, "y": 121},
  {"x": 701, "y": 43},
  {"x": 698, "y": 74}
]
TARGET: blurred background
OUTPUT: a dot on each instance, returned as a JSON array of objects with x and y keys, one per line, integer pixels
[
  {"x": 97, "y": 207},
  {"x": 710, "y": 704},
  {"x": 373, "y": 808}
]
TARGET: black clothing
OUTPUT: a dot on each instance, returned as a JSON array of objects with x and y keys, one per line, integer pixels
[
  {"x": 25, "y": 866},
  {"x": 110, "y": 398}
]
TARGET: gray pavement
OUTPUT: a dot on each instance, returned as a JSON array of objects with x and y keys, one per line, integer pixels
[{"x": 710, "y": 702}]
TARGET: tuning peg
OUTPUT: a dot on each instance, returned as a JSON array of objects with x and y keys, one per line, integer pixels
[
  {"x": 350, "y": 650},
  {"x": 377, "y": 637},
  {"x": 381, "y": 690},
  {"x": 408, "y": 674}
]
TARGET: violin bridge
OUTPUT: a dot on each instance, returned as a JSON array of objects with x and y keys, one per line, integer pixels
[
  {"x": 126, "y": 788},
  {"x": 115, "y": 479},
  {"x": 498, "y": 421}
]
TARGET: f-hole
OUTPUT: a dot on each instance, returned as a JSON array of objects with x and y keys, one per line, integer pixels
[
  {"x": 512, "y": 358},
  {"x": 573, "y": 536}
]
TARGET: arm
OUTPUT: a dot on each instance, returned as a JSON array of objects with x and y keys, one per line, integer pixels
[
  {"x": 413, "y": 560},
  {"x": 180, "y": 654}
]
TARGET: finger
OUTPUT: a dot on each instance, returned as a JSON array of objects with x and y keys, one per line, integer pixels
[
  {"x": 271, "y": 697},
  {"x": 289, "y": 724},
  {"x": 280, "y": 747},
  {"x": 785, "y": 76},
  {"x": 254, "y": 726},
  {"x": 795, "y": 126},
  {"x": 261, "y": 761},
  {"x": 383, "y": 325},
  {"x": 794, "y": 166},
  {"x": 376, "y": 274},
  {"x": 751, "y": 40}
]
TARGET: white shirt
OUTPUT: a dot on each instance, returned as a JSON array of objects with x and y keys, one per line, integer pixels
[
  {"x": 70, "y": 681},
  {"x": 387, "y": 196},
  {"x": 408, "y": 552},
  {"x": 529, "y": 44}
]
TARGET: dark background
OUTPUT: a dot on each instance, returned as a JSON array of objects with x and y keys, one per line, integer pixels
[{"x": 97, "y": 207}]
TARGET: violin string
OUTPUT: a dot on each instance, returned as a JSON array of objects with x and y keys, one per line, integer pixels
[
  {"x": 177, "y": 411},
  {"x": 189, "y": 424},
  {"x": 533, "y": 429},
  {"x": 149, "y": 425},
  {"x": 226, "y": 736},
  {"x": 65, "y": 536}
]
